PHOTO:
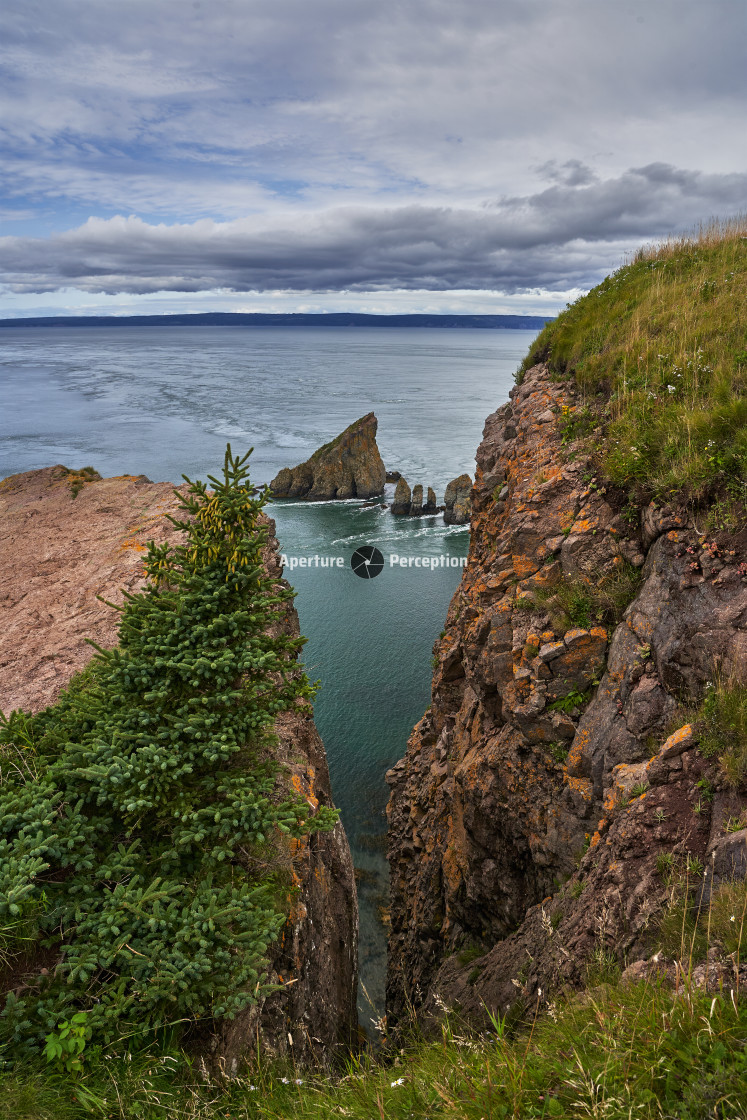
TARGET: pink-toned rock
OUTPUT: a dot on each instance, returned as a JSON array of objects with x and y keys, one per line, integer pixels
[{"x": 57, "y": 554}]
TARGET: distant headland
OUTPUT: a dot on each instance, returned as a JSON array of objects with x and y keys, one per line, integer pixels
[{"x": 285, "y": 319}]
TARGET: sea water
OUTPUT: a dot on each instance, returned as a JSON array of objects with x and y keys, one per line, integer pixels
[{"x": 163, "y": 401}]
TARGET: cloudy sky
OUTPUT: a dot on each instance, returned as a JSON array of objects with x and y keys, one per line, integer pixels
[{"x": 374, "y": 155}]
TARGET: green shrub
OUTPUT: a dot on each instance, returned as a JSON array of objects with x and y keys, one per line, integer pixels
[{"x": 140, "y": 816}]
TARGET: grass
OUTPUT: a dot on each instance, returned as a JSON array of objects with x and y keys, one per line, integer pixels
[
  {"x": 664, "y": 341},
  {"x": 723, "y": 728},
  {"x": 688, "y": 928},
  {"x": 637, "y": 1050},
  {"x": 582, "y": 603},
  {"x": 77, "y": 479}
]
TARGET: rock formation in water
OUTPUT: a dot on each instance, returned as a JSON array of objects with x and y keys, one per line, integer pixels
[
  {"x": 350, "y": 466},
  {"x": 61, "y": 545},
  {"x": 556, "y": 753},
  {"x": 402, "y": 499},
  {"x": 416, "y": 505},
  {"x": 457, "y": 500},
  {"x": 430, "y": 505}
]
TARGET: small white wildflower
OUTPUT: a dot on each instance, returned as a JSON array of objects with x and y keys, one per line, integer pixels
[
  {"x": 732, "y": 918},
  {"x": 398, "y": 1082},
  {"x": 671, "y": 388},
  {"x": 252, "y": 1088}
]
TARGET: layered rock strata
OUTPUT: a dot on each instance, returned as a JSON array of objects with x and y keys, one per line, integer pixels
[
  {"x": 350, "y": 466},
  {"x": 546, "y": 739},
  {"x": 57, "y": 554}
]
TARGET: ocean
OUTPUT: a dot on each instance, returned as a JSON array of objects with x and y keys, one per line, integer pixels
[{"x": 163, "y": 401}]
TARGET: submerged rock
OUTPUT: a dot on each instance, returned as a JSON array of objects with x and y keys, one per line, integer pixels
[
  {"x": 457, "y": 500},
  {"x": 350, "y": 466}
]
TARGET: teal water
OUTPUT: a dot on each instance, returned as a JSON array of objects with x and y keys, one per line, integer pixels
[{"x": 162, "y": 401}]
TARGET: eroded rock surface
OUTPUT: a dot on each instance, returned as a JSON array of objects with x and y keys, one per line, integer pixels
[
  {"x": 402, "y": 498},
  {"x": 57, "y": 554},
  {"x": 350, "y": 466},
  {"x": 457, "y": 500},
  {"x": 540, "y": 733}
]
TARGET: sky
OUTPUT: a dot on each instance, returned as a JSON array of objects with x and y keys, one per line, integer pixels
[{"x": 475, "y": 156}]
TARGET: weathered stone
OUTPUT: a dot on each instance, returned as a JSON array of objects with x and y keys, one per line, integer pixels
[
  {"x": 579, "y": 663},
  {"x": 416, "y": 505},
  {"x": 457, "y": 500},
  {"x": 430, "y": 505},
  {"x": 350, "y": 466},
  {"x": 507, "y": 819},
  {"x": 402, "y": 499},
  {"x": 681, "y": 740}
]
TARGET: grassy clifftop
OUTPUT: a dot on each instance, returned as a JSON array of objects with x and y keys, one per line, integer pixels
[{"x": 658, "y": 352}]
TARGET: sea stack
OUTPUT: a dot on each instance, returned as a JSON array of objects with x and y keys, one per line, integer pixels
[
  {"x": 457, "y": 500},
  {"x": 430, "y": 505},
  {"x": 416, "y": 505},
  {"x": 402, "y": 499},
  {"x": 350, "y": 466}
]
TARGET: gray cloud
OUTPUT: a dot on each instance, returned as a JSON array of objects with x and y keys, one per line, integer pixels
[
  {"x": 560, "y": 238},
  {"x": 340, "y": 144}
]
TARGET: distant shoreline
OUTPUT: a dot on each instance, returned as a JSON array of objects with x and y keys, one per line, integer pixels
[{"x": 284, "y": 319}]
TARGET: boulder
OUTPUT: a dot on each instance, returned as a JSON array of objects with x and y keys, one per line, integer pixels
[{"x": 350, "y": 466}]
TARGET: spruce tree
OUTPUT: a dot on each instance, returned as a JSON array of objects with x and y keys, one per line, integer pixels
[{"x": 141, "y": 816}]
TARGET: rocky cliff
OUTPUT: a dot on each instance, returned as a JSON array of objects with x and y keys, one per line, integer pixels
[
  {"x": 66, "y": 539},
  {"x": 556, "y": 772},
  {"x": 350, "y": 466}
]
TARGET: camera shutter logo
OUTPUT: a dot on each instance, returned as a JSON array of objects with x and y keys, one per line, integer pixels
[{"x": 367, "y": 561}]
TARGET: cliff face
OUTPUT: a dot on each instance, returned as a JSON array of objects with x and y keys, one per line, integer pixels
[
  {"x": 57, "y": 554},
  {"x": 541, "y": 733},
  {"x": 348, "y": 467}
]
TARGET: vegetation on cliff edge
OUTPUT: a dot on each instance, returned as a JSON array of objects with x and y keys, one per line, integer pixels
[
  {"x": 141, "y": 866},
  {"x": 621, "y": 1051},
  {"x": 658, "y": 352}
]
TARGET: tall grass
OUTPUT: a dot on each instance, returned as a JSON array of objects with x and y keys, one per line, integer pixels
[
  {"x": 664, "y": 341},
  {"x": 723, "y": 728},
  {"x": 638, "y": 1050}
]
